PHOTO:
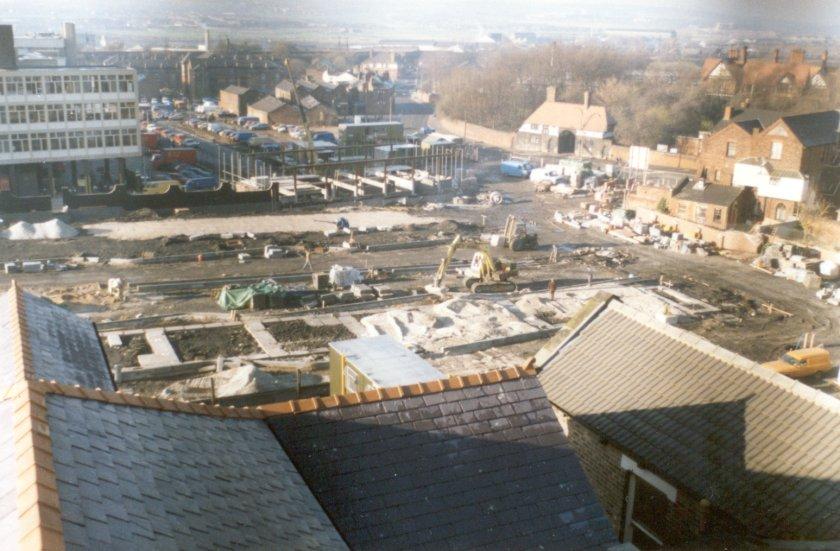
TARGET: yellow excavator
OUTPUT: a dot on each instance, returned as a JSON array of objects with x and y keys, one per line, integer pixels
[{"x": 485, "y": 274}]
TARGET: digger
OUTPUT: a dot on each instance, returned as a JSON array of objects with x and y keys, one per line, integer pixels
[
  {"x": 520, "y": 235},
  {"x": 485, "y": 274}
]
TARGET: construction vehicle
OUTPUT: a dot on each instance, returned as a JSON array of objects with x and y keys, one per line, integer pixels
[
  {"x": 485, "y": 274},
  {"x": 520, "y": 235}
]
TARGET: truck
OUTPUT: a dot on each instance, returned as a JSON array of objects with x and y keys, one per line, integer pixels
[
  {"x": 149, "y": 140},
  {"x": 517, "y": 168},
  {"x": 171, "y": 156}
]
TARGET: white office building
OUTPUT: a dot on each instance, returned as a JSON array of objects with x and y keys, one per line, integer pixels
[{"x": 60, "y": 124}]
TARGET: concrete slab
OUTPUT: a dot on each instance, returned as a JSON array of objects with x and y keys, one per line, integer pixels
[
  {"x": 162, "y": 351},
  {"x": 265, "y": 340},
  {"x": 353, "y": 325},
  {"x": 114, "y": 340}
]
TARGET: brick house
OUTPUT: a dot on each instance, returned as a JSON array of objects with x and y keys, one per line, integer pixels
[
  {"x": 688, "y": 443},
  {"x": 737, "y": 74},
  {"x": 805, "y": 144},
  {"x": 268, "y": 110},
  {"x": 713, "y": 205},
  {"x": 235, "y": 99},
  {"x": 559, "y": 127},
  {"x": 655, "y": 190}
]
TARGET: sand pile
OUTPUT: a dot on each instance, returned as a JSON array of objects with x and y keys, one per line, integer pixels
[
  {"x": 52, "y": 229},
  {"x": 456, "y": 321}
]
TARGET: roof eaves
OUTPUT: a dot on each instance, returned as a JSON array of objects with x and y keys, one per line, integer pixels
[
  {"x": 395, "y": 393},
  {"x": 21, "y": 352},
  {"x": 38, "y": 503}
]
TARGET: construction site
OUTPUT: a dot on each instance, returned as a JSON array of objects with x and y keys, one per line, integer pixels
[{"x": 239, "y": 304}]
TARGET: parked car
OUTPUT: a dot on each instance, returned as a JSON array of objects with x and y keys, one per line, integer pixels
[
  {"x": 280, "y": 128},
  {"x": 516, "y": 168},
  {"x": 190, "y": 142},
  {"x": 325, "y": 137},
  {"x": 802, "y": 362},
  {"x": 259, "y": 126}
]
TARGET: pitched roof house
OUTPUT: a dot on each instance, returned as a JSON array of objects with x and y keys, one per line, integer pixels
[
  {"x": 461, "y": 462},
  {"x": 563, "y": 127},
  {"x": 715, "y": 444}
]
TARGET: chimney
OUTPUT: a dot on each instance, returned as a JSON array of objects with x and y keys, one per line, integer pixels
[
  {"x": 797, "y": 55},
  {"x": 8, "y": 57},
  {"x": 586, "y": 99},
  {"x": 733, "y": 54},
  {"x": 727, "y": 113},
  {"x": 742, "y": 55},
  {"x": 776, "y": 55},
  {"x": 824, "y": 59},
  {"x": 69, "y": 32},
  {"x": 756, "y": 131},
  {"x": 551, "y": 94}
]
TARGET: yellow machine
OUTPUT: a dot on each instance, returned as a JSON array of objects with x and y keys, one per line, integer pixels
[
  {"x": 802, "y": 362},
  {"x": 520, "y": 235},
  {"x": 485, "y": 274}
]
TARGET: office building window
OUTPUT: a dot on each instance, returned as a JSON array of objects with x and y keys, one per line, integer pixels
[
  {"x": 94, "y": 139},
  {"x": 58, "y": 141},
  {"x": 2, "y": 114},
  {"x": 108, "y": 83},
  {"x": 90, "y": 84},
  {"x": 34, "y": 86},
  {"x": 72, "y": 84},
  {"x": 74, "y": 112},
  {"x": 39, "y": 141},
  {"x": 14, "y": 85},
  {"x": 112, "y": 138},
  {"x": 4, "y": 143},
  {"x": 17, "y": 114},
  {"x": 55, "y": 112},
  {"x": 776, "y": 151},
  {"x": 128, "y": 111},
  {"x": 110, "y": 111},
  {"x": 37, "y": 113},
  {"x": 20, "y": 143},
  {"x": 54, "y": 85},
  {"x": 126, "y": 83},
  {"x": 76, "y": 140},
  {"x": 93, "y": 111},
  {"x": 129, "y": 137}
]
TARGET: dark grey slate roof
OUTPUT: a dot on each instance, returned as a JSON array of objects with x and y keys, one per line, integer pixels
[
  {"x": 750, "y": 117},
  {"x": 267, "y": 104},
  {"x": 712, "y": 194},
  {"x": 758, "y": 445},
  {"x": 814, "y": 129},
  {"x": 483, "y": 466},
  {"x": 136, "y": 478},
  {"x": 8, "y": 475},
  {"x": 65, "y": 347}
]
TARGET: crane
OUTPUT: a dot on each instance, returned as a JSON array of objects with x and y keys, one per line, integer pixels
[
  {"x": 485, "y": 274},
  {"x": 310, "y": 156}
]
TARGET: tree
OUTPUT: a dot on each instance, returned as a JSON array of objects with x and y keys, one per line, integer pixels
[{"x": 662, "y": 206}]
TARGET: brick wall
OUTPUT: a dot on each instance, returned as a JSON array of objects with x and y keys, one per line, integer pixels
[
  {"x": 713, "y": 159},
  {"x": 658, "y": 159},
  {"x": 476, "y": 133},
  {"x": 731, "y": 240}
]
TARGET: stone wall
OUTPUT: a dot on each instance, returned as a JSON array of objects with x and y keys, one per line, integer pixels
[{"x": 476, "y": 133}]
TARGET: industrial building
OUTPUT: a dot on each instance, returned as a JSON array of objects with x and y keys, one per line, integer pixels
[{"x": 59, "y": 123}]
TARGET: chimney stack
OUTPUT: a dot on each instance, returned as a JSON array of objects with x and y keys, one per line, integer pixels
[
  {"x": 586, "y": 99},
  {"x": 776, "y": 55},
  {"x": 742, "y": 55},
  {"x": 824, "y": 59},
  {"x": 8, "y": 57},
  {"x": 69, "y": 32},
  {"x": 727, "y": 113},
  {"x": 551, "y": 94}
]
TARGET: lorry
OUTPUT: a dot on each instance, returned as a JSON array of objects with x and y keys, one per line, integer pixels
[
  {"x": 802, "y": 362},
  {"x": 516, "y": 167},
  {"x": 171, "y": 156}
]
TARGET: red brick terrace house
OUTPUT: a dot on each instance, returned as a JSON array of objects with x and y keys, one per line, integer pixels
[
  {"x": 807, "y": 144},
  {"x": 690, "y": 444},
  {"x": 736, "y": 74}
]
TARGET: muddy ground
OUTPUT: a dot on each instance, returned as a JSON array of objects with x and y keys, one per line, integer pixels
[
  {"x": 208, "y": 344},
  {"x": 126, "y": 355},
  {"x": 294, "y": 335}
]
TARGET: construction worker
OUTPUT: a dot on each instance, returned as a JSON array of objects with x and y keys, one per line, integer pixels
[
  {"x": 307, "y": 263},
  {"x": 552, "y": 288}
]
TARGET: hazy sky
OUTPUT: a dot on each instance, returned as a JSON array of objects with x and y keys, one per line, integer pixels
[{"x": 818, "y": 17}]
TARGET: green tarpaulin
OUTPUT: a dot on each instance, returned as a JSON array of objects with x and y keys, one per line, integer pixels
[{"x": 238, "y": 298}]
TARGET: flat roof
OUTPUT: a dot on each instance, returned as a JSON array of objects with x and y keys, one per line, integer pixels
[{"x": 386, "y": 362}]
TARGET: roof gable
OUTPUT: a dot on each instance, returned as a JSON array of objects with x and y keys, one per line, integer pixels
[
  {"x": 813, "y": 129},
  {"x": 461, "y": 468},
  {"x": 571, "y": 115},
  {"x": 707, "y": 420}
]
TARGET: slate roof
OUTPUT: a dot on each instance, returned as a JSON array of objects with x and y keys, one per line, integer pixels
[
  {"x": 268, "y": 104},
  {"x": 712, "y": 194},
  {"x": 750, "y": 118},
  {"x": 64, "y": 347},
  {"x": 814, "y": 129},
  {"x": 456, "y": 466},
  {"x": 759, "y": 446},
  {"x": 133, "y": 477}
]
